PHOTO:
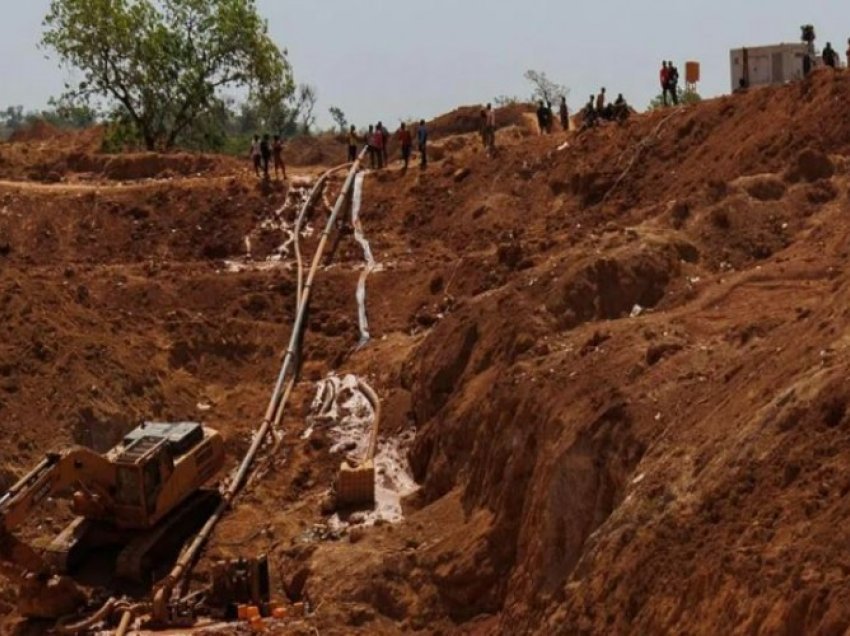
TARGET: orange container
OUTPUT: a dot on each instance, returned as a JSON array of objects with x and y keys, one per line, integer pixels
[
  {"x": 692, "y": 72},
  {"x": 242, "y": 612},
  {"x": 253, "y": 613},
  {"x": 279, "y": 612},
  {"x": 258, "y": 625}
]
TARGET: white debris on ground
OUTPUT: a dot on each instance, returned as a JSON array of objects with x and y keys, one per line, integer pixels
[
  {"x": 340, "y": 406},
  {"x": 297, "y": 196},
  {"x": 369, "y": 260}
]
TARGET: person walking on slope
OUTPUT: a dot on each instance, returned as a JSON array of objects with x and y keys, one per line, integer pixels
[
  {"x": 830, "y": 57},
  {"x": 491, "y": 128},
  {"x": 277, "y": 151},
  {"x": 266, "y": 153},
  {"x": 422, "y": 140},
  {"x": 673, "y": 81},
  {"x": 256, "y": 157},
  {"x": 564, "y": 113},
  {"x": 664, "y": 77},
  {"x": 352, "y": 144},
  {"x": 406, "y": 140}
]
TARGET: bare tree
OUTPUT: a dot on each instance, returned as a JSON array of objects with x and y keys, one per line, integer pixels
[
  {"x": 339, "y": 118},
  {"x": 544, "y": 88},
  {"x": 307, "y": 98}
]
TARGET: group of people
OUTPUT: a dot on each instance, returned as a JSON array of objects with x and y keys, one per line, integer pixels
[
  {"x": 377, "y": 141},
  {"x": 263, "y": 150},
  {"x": 669, "y": 77},
  {"x": 546, "y": 116},
  {"x": 598, "y": 108}
]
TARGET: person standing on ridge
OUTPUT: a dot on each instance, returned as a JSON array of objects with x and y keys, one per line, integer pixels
[
  {"x": 550, "y": 118},
  {"x": 380, "y": 143},
  {"x": 600, "y": 102},
  {"x": 541, "y": 118},
  {"x": 422, "y": 140},
  {"x": 406, "y": 140},
  {"x": 266, "y": 153},
  {"x": 830, "y": 57},
  {"x": 256, "y": 157},
  {"x": 352, "y": 144},
  {"x": 664, "y": 76},
  {"x": 673, "y": 82},
  {"x": 385, "y": 142},
  {"x": 373, "y": 149},
  {"x": 277, "y": 151},
  {"x": 848, "y": 53},
  {"x": 564, "y": 113},
  {"x": 491, "y": 127}
]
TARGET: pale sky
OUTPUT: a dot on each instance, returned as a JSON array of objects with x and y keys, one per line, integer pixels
[{"x": 392, "y": 59}]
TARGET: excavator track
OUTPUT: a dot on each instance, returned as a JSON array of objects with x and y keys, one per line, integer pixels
[{"x": 136, "y": 562}]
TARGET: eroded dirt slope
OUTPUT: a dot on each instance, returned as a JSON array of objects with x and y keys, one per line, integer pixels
[{"x": 624, "y": 361}]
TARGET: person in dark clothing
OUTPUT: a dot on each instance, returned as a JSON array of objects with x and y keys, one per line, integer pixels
[
  {"x": 830, "y": 57},
  {"x": 277, "y": 151},
  {"x": 620, "y": 109},
  {"x": 542, "y": 116},
  {"x": 352, "y": 144},
  {"x": 589, "y": 115},
  {"x": 673, "y": 81},
  {"x": 848, "y": 53},
  {"x": 266, "y": 153},
  {"x": 256, "y": 156},
  {"x": 550, "y": 118},
  {"x": 564, "y": 113},
  {"x": 406, "y": 141},
  {"x": 422, "y": 140},
  {"x": 385, "y": 142},
  {"x": 374, "y": 155}
]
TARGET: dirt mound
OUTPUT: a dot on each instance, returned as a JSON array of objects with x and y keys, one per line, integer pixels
[
  {"x": 39, "y": 130},
  {"x": 467, "y": 119}
]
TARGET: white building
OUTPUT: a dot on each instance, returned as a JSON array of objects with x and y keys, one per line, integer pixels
[{"x": 764, "y": 65}]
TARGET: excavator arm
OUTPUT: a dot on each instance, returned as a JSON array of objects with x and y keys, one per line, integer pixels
[{"x": 56, "y": 473}]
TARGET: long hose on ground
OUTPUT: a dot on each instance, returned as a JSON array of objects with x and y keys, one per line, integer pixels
[{"x": 187, "y": 558}]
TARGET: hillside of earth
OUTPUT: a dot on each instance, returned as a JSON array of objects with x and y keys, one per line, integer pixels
[{"x": 612, "y": 364}]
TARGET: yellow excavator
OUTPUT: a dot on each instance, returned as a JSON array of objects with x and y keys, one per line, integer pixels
[{"x": 145, "y": 497}]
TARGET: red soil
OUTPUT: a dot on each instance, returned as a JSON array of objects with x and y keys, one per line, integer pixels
[{"x": 624, "y": 361}]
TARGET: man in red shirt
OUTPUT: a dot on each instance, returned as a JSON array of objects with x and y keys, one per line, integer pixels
[
  {"x": 664, "y": 76},
  {"x": 406, "y": 140}
]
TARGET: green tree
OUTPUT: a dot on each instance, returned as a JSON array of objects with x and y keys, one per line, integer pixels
[
  {"x": 685, "y": 97},
  {"x": 161, "y": 65}
]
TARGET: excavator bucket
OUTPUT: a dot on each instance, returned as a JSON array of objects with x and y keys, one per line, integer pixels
[
  {"x": 356, "y": 485},
  {"x": 40, "y": 596},
  {"x": 49, "y": 597}
]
